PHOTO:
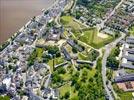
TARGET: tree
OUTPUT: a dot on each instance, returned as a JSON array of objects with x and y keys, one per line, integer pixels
[
  {"x": 56, "y": 78},
  {"x": 77, "y": 86},
  {"x": 112, "y": 62},
  {"x": 53, "y": 50},
  {"x": 61, "y": 70},
  {"x": 4, "y": 98},
  {"x": 84, "y": 75},
  {"x": 46, "y": 58},
  {"x": 74, "y": 81},
  {"x": 67, "y": 94},
  {"x": 10, "y": 67},
  {"x": 93, "y": 55},
  {"x": 77, "y": 74},
  {"x": 78, "y": 15},
  {"x": 116, "y": 51},
  {"x": 74, "y": 50},
  {"x": 32, "y": 58},
  {"x": 58, "y": 54}
]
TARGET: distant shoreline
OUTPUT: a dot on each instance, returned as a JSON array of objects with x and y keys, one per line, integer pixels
[{"x": 10, "y": 23}]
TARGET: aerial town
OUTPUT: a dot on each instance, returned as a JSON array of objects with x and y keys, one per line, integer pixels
[{"x": 75, "y": 50}]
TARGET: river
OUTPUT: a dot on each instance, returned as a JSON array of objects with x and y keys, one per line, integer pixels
[{"x": 16, "y": 13}]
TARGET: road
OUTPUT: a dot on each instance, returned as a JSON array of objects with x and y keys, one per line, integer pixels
[
  {"x": 108, "y": 49},
  {"x": 114, "y": 10},
  {"x": 111, "y": 88},
  {"x": 48, "y": 81},
  {"x": 101, "y": 25}
]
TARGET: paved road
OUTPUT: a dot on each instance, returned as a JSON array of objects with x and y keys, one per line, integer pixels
[
  {"x": 108, "y": 48},
  {"x": 114, "y": 10},
  {"x": 48, "y": 81},
  {"x": 104, "y": 21},
  {"x": 111, "y": 88}
]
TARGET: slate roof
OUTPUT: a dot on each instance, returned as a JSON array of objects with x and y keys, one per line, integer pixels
[
  {"x": 129, "y": 66},
  {"x": 124, "y": 78}
]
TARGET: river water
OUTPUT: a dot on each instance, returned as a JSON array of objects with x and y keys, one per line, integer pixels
[{"x": 16, "y": 13}]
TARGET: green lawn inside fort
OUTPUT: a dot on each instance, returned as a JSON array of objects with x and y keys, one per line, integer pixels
[
  {"x": 90, "y": 37},
  {"x": 69, "y": 22},
  {"x": 73, "y": 84}
]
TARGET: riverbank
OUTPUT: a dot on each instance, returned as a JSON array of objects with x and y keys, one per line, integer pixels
[{"x": 16, "y": 13}]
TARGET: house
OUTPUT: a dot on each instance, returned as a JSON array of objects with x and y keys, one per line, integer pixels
[
  {"x": 46, "y": 93},
  {"x": 55, "y": 34},
  {"x": 3, "y": 89},
  {"x": 129, "y": 57},
  {"x": 124, "y": 78},
  {"x": 108, "y": 31},
  {"x": 33, "y": 96},
  {"x": 38, "y": 66},
  {"x": 66, "y": 54},
  {"x": 28, "y": 82},
  {"x": 126, "y": 65},
  {"x": 55, "y": 94},
  {"x": 7, "y": 82},
  {"x": 85, "y": 62},
  {"x": 130, "y": 41},
  {"x": 130, "y": 51},
  {"x": 73, "y": 44}
]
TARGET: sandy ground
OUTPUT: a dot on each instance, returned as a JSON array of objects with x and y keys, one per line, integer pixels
[
  {"x": 123, "y": 86},
  {"x": 41, "y": 42},
  {"x": 102, "y": 35}
]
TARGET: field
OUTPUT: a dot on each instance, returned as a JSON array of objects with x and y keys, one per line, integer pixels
[
  {"x": 89, "y": 36},
  {"x": 69, "y": 22}
]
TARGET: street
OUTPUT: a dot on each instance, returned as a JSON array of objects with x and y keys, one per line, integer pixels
[{"x": 108, "y": 49}]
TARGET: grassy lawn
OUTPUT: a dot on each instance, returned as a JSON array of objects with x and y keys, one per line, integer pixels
[
  {"x": 90, "y": 74},
  {"x": 65, "y": 33},
  {"x": 87, "y": 36},
  {"x": 85, "y": 81},
  {"x": 68, "y": 88},
  {"x": 81, "y": 56},
  {"x": 126, "y": 96},
  {"x": 89, "y": 85},
  {"x": 66, "y": 76},
  {"x": 132, "y": 30},
  {"x": 50, "y": 63},
  {"x": 68, "y": 21},
  {"x": 65, "y": 88},
  {"x": 59, "y": 60},
  {"x": 39, "y": 52},
  {"x": 90, "y": 37}
]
